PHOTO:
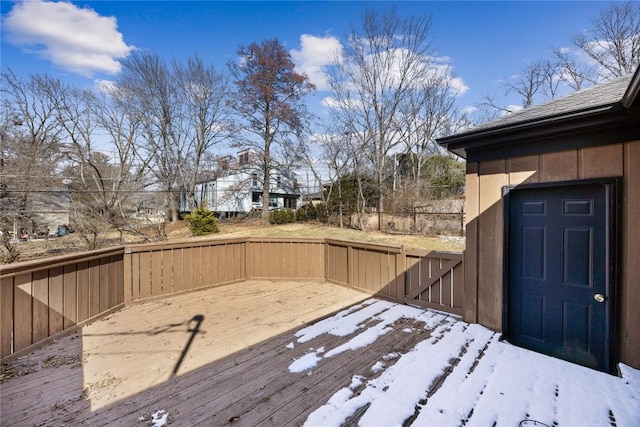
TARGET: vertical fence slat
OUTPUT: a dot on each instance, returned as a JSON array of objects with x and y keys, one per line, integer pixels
[
  {"x": 214, "y": 261},
  {"x": 56, "y": 301},
  {"x": 115, "y": 281},
  {"x": 400, "y": 274},
  {"x": 167, "y": 271},
  {"x": 157, "y": 287},
  {"x": 70, "y": 295},
  {"x": 240, "y": 249},
  {"x": 23, "y": 327},
  {"x": 119, "y": 282},
  {"x": 187, "y": 268},
  {"x": 350, "y": 266},
  {"x": 206, "y": 265},
  {"x": 458, "y": 286},
  {"x": 198, "y": 267},
  {"x": 145, "y": 275},
  {"x": 104, "y": 285},
  {"x": 6, "y": 316},
  {"x": 178, "y": 270},
  {"x": 83, "y": 291},
  {"x": 94, "y": 287},
  {"x": 40, "y": 305}
]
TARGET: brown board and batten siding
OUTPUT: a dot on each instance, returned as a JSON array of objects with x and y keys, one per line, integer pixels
[
  {"x": 485, "y": 226},
  {"x": 630, "y": 268},
  {"x": 592, "y": 134},
  {"x": 39, "y": 299}
]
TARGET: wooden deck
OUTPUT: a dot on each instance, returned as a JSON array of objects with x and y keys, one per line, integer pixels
[
  {"x": 227, "y": 356},
  {"x": 209, "y": 357}
]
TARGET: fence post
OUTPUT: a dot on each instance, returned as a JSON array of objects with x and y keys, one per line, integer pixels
[
  {"x": 127, "y": 276},
  {"x": 401, "y": 273},
  {"x": 350, "y": 265}
]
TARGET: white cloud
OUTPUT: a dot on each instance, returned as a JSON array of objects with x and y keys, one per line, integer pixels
[
  {"x": 315, "y": 55},
  {"x": 441, "y": 69},
  {"x": 458, "y": 85},
  {"x": 72, "y": 38}
]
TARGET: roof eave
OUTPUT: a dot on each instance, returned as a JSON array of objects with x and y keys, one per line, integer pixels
[
  {"x": 630, "y": 97},
  {"x": 571, "y": 121}
]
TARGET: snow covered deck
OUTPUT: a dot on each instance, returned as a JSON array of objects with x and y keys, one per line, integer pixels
[{"x": 265, "y": 353}]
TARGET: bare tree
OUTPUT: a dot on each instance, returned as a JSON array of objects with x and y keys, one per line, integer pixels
[
  {"x": 529, "y": 82},
  {"x": 574, "y": 74},
  {"x": 428, "y": 113},
  {"x": 152, "y": 93},
  {"x": 30, "y": 146},
  {"x": 128, "y": 167},
  {"x": 204, "y": 94},
  {"x": 614, "y": 40},
  {"x": 384, "y": 60},
  {"x": 270, "y": 100},
  {"x": 335, "y": 157},
  {"x": 612, "y": 46}
]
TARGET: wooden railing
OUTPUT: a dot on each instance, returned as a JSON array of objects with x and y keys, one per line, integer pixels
[
  {"x": 163, "y": 269},
  {"x": 424, "y": 278},
  {"x": 285, "y": 258},
  {"x": 41, "y": 299},
  {"x": 375, "y": 269}
]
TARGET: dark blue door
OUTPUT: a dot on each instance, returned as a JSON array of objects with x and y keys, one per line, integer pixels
[{"x": 558, "y": 300}]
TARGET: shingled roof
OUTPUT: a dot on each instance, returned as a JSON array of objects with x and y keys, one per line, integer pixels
[{"x": 608, "y": 105}]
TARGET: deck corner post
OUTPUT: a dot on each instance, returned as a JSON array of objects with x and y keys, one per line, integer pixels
[
  {"x": 350, "y": 265},
  {"x": 401, "y": 274},
  {"x": 127, "y": 276}
]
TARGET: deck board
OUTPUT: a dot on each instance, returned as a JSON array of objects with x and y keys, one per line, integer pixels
[
  {"x": 238, "y": 369},
  {"x": 127, "y": 358}
]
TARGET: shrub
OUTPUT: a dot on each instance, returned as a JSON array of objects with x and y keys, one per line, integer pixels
[
  {"x": 312, "y": 212},
  {"x": 301, "y": 214},
  {"x": 308, "y": 213},
  {"x": 282, "y": 217},
  {"x": 321, "y": 212},
  {"x": 202, "y": 221}
]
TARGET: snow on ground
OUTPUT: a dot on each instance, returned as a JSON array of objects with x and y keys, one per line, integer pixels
[{"x": 486, "y": 381}]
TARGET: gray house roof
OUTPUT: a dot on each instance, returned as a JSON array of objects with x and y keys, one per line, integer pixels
[{"x": 603, "y": 114}]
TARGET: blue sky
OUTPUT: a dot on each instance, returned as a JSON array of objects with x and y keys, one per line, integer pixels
[{"x": 82, "y": 41}]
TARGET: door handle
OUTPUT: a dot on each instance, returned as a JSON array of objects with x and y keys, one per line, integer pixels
[{"x": 599, "y": 298}]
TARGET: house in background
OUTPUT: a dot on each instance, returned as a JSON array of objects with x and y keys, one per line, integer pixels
[
  {"x": 552, "y": 222},
  {"x": 238, "y": 188},
  {"x": 51, "y": 210}
]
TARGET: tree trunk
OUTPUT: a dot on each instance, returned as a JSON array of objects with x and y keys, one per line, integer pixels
[
  {"x": 340, "y": 201},
  {"x": 266, "y": 183},
  {"x": 173, "y": 207}
]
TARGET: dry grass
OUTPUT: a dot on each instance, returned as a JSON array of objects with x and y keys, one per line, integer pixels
[
  {"x": 314, "y": 230},
  {"x": 250, "y": 228}
]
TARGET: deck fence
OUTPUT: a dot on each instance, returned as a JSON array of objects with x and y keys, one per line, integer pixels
[{"x": 42, "y": 299}]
